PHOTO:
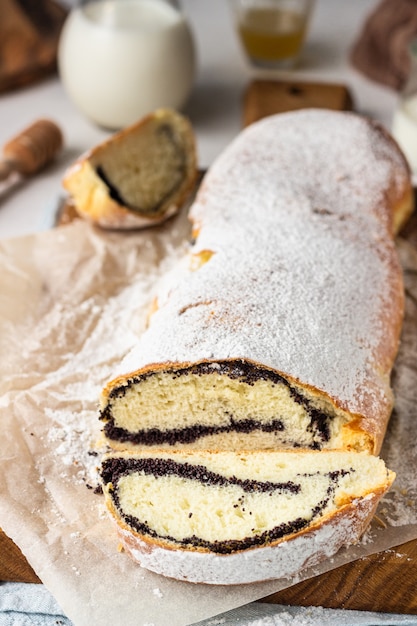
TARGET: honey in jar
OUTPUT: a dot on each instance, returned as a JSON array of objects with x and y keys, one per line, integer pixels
[{"x": 272, "y": 33}]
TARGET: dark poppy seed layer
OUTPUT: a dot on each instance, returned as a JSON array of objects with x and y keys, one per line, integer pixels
[
  {"x": 113, "y": 469},
  {"x": 245, "y": 373}
]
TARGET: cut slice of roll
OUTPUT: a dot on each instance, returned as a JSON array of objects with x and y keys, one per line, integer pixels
[
  {"x": 139, "y": 177},
  {"x": 238, "y": 517},
  {"x": 282, "y": 326}
]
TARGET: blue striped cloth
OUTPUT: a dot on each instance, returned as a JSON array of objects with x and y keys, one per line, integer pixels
[{"x": 25, "y": 604}]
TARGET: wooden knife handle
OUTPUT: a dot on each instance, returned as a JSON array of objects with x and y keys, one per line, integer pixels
[{"x": 32, "y": 149}]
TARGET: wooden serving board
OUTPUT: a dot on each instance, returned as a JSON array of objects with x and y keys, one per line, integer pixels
[
  {"x": 384, "y": 582},
  {"x": 13, "y": 565},
  {"x": 29, "y": 34},
  {"x": 267, "y": 97}
]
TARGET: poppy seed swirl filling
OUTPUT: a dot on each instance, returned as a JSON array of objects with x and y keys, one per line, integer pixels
[
  {"x": 218, "y": 403},
  {"x": 242, "y": 515}
]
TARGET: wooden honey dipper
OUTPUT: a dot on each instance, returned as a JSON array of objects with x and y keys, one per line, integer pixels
[{"x": 31, "y": 150}]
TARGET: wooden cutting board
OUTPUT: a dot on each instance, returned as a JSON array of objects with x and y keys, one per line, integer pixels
[
  {"x": 384, "y": 582},
  {"x": 13, "y": 565},
  {"x": 266, "y": 97},
  {"x": 29, "y": 34}
]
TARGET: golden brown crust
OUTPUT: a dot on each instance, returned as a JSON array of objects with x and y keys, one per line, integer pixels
[{"x": 403, "y": 209}]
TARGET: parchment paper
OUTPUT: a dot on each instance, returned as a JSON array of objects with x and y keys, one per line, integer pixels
[{"x": 73, "y": 302}]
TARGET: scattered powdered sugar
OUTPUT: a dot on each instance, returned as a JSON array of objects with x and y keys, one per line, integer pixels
[
  {"x": 83, "y": 313},
  {"x": 261, "y": 614},
  {"x": 397, "y": 509},
  {"x": 76, "y": 570},
  {"x": 74, "y": 441}
]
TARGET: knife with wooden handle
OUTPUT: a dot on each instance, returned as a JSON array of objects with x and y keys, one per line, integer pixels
[{"x": 31, "y": 150}]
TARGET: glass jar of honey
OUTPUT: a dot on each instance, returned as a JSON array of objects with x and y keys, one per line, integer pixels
[{"x": 272, "y": 32}]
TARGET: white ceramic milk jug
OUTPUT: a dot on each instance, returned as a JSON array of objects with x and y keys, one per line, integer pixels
[{"x": 121, "y": 59}]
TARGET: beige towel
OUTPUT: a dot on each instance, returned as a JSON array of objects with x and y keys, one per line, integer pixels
[{"x": 381, "y": 50}]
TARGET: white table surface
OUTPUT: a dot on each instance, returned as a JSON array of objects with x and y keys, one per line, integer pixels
[{"x": 215, "y": 106}]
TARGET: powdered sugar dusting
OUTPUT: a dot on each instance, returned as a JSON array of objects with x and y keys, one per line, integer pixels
[{"x": 304, "y": 274}]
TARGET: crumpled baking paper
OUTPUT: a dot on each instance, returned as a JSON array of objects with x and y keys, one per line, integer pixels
[{"x": 73, "y": 302}]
